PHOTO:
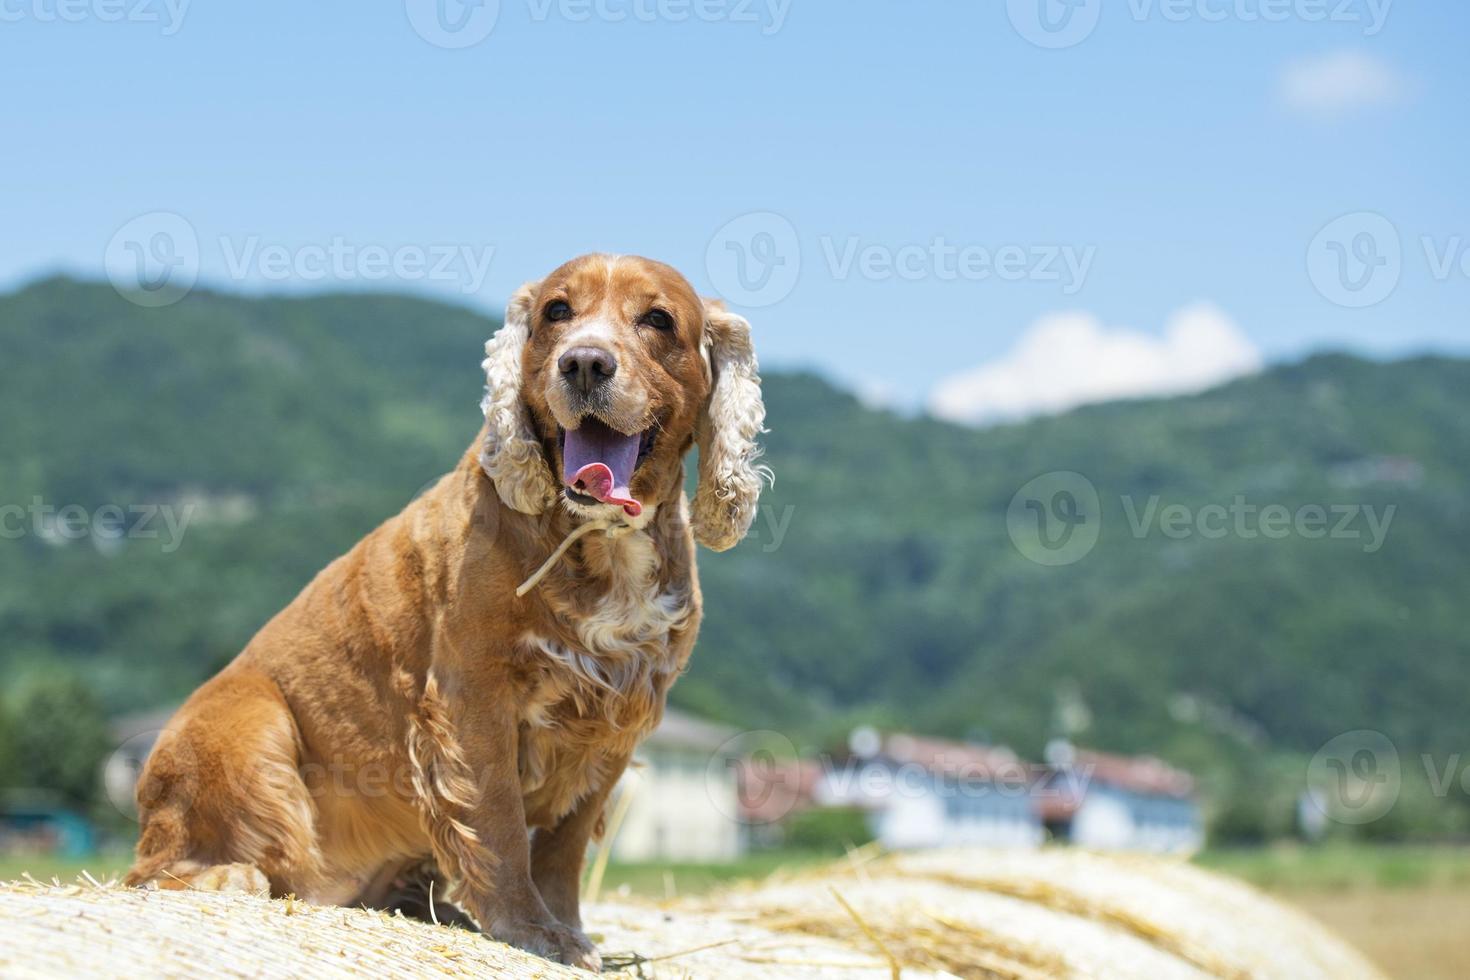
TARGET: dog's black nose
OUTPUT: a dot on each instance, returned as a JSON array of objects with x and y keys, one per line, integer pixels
[{"x": 587, "y": 367}]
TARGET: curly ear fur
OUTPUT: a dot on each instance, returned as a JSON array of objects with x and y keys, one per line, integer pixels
[
  {"x": 512, "y": 456},
  {"x": 729, "y": 477}
]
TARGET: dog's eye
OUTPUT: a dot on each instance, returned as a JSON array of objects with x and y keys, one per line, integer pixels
[
  {"x": 558, "y": 311},
  {"x": 658, "y": 320}
]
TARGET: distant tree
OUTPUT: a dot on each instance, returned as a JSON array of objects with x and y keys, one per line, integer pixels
[
  {"x": 7, "y": 749},
  {"x": 1241, "y": 820},
  {"x": 58, "y": 737},
  {"x": 828, "y": 829}
]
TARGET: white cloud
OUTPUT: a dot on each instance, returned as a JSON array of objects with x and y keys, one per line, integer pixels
[
  {"x": 1068, "y": 359},
  {"x": 1338, "y": 83}
]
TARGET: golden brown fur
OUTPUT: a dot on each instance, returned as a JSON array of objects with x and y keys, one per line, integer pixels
[{"x": 407, "y": 706}]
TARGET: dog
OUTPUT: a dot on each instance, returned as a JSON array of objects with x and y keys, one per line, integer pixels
[{"x": 452, "y": 701}]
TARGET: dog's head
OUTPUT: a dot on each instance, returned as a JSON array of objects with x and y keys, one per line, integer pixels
[{"x": 604, "y": 375}]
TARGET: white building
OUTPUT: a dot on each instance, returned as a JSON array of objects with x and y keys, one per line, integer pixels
[
  {"x": 928, "y": 792},
  {"x": 1119, "y": 803},
  {"x": 680, "y": 800}
]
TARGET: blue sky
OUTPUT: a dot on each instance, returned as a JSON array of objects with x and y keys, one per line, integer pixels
[{"x": 1185, "y": 154}]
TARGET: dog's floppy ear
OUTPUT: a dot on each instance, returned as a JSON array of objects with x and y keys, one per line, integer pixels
[
  {"x": 729, "y": 478},
  {"x": 512, "y": 454}
]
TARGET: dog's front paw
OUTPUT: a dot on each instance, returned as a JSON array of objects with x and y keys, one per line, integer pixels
[{"x": 556, "y": 942}]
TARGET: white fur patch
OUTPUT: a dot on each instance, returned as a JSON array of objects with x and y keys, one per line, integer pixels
[
  {"x": 729, "y": 476},
  {"x": 596, "y": 333},
  {"x": 625, "y": 639},
  {"x": 606, "y": 672}
]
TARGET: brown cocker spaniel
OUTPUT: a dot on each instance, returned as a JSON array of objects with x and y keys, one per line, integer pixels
[{"x": 453, "y": 699}]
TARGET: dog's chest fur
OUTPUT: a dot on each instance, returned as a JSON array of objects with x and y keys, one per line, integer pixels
[{"x": 601, "y": 671}]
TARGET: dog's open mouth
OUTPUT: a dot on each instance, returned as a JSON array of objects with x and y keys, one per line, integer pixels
[{"x": 598, "y": 463}]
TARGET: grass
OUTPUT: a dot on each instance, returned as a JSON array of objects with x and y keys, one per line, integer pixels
[
  {"x": 653, "y": 879},
  {"x": 1281, "y": 868},
  {"x": 1285, "y": 868},
  {"x": 657, "y": 879},
  {"x": 1337, "y": 867},
  {"x": 44, "y": 867}
]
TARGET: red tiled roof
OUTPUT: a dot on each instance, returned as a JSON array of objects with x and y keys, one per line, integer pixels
[
  {"x": 944, "y": 757},
  {"x": 1139, "y": 774}
]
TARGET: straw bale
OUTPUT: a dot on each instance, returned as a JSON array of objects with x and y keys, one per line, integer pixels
[{"x": 972, "y": 913}]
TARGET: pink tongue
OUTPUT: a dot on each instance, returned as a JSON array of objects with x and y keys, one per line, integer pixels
[{"x": 598, "y": 460}]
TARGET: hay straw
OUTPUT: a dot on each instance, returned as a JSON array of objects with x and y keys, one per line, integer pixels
[
  {"x": 868, "y": 931},
  {"x": 1222, "y": 927},
  {"x": 1125, "y": 918},
  {"x": 109, "y": 931},
  {"x": 980, "y": 914}
]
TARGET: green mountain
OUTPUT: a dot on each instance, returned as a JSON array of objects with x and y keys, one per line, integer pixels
[
  {"x": 881, "y": 582},
  {"x": 898, "y": 587}
]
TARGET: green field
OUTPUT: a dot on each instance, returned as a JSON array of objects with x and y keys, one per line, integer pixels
[
  {"x": 663, "y": 880},
  {"x": 44, "y": 867},
  {"x": 1336, "y": 867},
  {"x": 1284, "y": 868},
  {"x": 650, "y": 879}
]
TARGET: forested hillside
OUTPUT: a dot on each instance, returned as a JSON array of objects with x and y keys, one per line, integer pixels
[{"x": 881, "y": 582}]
